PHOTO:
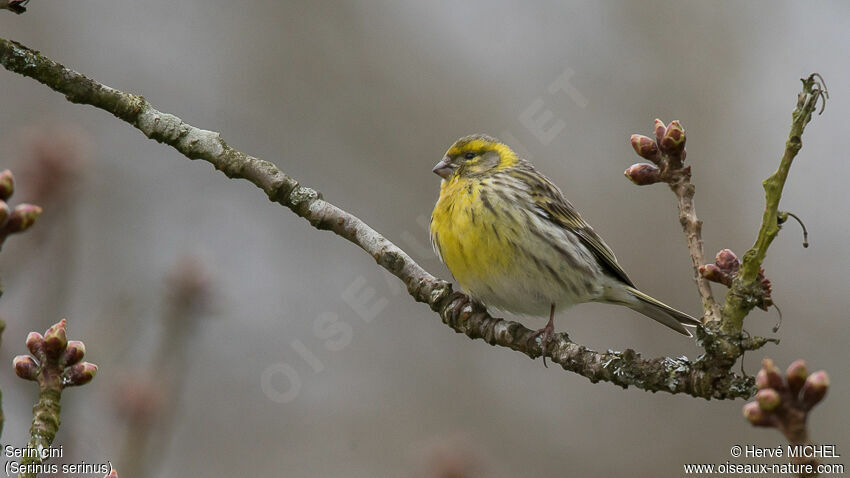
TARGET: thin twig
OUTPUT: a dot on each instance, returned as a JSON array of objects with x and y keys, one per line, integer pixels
[
  {"x": 667, "y": 153},
  {"x": 692, "y": 226},
  {"x": 800, "y": 222}
]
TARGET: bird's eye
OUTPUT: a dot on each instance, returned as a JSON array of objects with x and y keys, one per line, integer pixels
[{"x": 469, "y": 155}]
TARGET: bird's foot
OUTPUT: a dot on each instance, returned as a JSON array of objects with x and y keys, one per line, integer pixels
[
  {"x": 462, "y": 300},
  {"x": 546, "y": 334}
]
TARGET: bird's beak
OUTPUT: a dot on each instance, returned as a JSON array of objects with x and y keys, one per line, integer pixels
[{"x": 444, "y": 168}]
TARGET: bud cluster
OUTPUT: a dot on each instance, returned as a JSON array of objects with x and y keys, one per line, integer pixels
[
  {"x": 783, "y": 402},
  {"x": 666, "y": 152},
  {"x": 17, "y": 219},
  {"x": 54, "y": 356},
  {"x": 725, "y": 269}
]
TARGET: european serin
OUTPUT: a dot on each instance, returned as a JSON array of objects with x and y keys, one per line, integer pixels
[{"x": 513, "y": 242}]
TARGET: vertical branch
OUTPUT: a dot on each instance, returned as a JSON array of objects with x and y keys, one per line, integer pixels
[
  {"x": 45, "y": 418},
  {"x": 143, "y": 401},
  {"x": 667, "y": 152},
  {"x": 745, "y": 291},
  {"x": 692, "y": 226},
  {"x": 56, "y": 363}
]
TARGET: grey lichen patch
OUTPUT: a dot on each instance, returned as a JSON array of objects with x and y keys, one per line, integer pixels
[
  {"x": 23, "y": 60},
  {"x": 162, "y": 127},
  {"x": 438, "y": 293},
  {"x": 302, "y": 195},
  {"x": 198, "y": 143},
  {"x": 269, "y": 169},
  {"x": 622, "y": 368},
  {"x": 502, "y": 332},
  {"x": 676, "y": 366},
  {"x": 613, "y": 357},
  {"x": 675, "y": 369},
  {"x": 281, "y": 185},
  {"x": 392, "y": 259},
  {"x": 744, "y": 388}
]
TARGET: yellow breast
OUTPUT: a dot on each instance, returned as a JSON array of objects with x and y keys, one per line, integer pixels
[{"x": 467, "y": 235}]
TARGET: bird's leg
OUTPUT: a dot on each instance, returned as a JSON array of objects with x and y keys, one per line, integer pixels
[{"x": 546, "y": 334}]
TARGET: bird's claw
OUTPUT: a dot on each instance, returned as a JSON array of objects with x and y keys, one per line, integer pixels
[
  {"x": 455, "y": 310},
  {"x": 546, "y": 335}
]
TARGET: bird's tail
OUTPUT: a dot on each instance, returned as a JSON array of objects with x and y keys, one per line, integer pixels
[{"x": 657, "y": 310}]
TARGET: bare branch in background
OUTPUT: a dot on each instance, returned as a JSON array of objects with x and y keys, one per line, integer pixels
[{"x": 151, "y": 401}]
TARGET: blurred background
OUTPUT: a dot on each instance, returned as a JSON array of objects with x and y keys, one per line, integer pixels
[{"x": 208, "y": 307}]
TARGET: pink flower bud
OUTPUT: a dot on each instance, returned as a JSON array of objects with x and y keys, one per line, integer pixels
[
  {"x": 761, "y": 379},
  {"x": 22, "y": 218},
  {"x": 55, "y": 340},
  {"x": 645, "y": 147},
  {"x": 660, "y": 130},
  {"x": 768, "y": 399},
  {"x": 772, "y": 377},
  {"x": 727, "y": 260},
  {"x": 7, "y": 184},
  {"x": 755, "y": 415},
  {"x": 796, "y": 376},
  {"x": 74, "y": 352},
  {"x": 814, "y": 389},
  {"x": 5, "y": 212},
  {"x": 25, "y": 367},
  {"x": 79, "y": 374},
  {"x": 643, "y": 174},
  {"x": 715, "y": 274},
  {"x": 35, "y": 344},
  {"x": 673, "y": 141}
]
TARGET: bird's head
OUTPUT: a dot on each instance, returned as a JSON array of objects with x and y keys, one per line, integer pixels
[{"x": 475, "y": 155}]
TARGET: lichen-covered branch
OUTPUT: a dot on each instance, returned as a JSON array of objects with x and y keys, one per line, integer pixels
[
  {"x": 698, "y": 378},
  {"x": 701, "y": 378},
  {"x": 746, "y": 289}
]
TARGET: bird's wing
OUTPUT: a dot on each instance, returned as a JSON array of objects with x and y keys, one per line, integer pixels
[{"x": 554, "y": 206}]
